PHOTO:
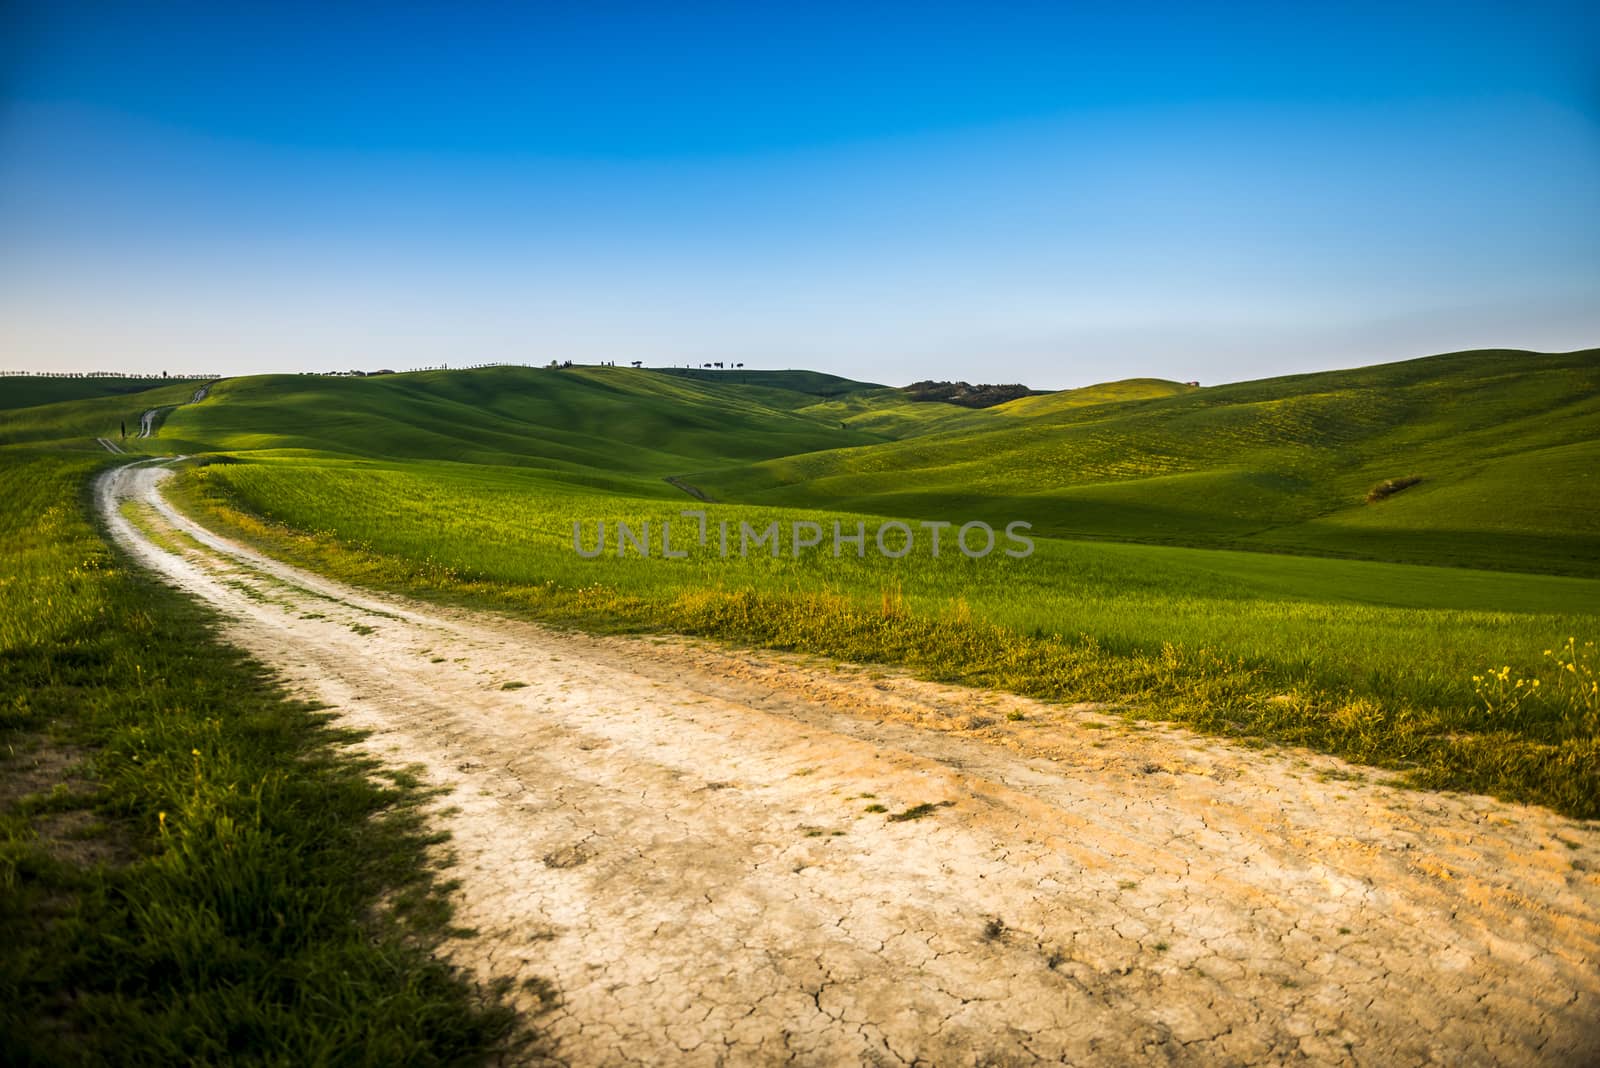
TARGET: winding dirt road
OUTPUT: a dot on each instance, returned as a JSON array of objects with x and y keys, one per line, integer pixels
[{"x": 697, "y": 848}]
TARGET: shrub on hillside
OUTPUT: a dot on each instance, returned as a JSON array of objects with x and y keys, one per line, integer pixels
[{"x": 1390, "y": 487}]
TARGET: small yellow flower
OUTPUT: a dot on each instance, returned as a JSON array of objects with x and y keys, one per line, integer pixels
[{"x": 196, "y": 752}]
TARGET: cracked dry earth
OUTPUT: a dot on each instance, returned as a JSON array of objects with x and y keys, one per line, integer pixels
[{"x": 677, "y": 838}]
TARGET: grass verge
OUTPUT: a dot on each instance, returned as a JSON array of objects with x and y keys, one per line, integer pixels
[{"x": 194, "y": 868}]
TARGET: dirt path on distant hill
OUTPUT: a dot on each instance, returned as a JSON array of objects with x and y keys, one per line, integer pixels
[
  {"x": 694, "y": 491},
  {"x": 682, "y": 840},
  {"x": 147, "y": 421}
]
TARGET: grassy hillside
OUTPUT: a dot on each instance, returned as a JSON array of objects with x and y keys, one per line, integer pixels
[
  {"x": 889, "y": 413},
  {"x": 76, "y": 423},
  {"x": 1505, "y": 444},
  {"x": 815, "y": 383},
  {"x": 1128, "y": 389},
  {"x": 27, "y": 391},
  {"x": 612, "y": 428}
]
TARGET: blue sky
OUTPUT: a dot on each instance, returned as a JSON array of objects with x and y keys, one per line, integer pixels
[{"x": 1051, "y": 193}]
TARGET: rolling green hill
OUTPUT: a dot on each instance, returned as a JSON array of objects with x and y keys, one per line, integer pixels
[
  {"x": 27, "y": 391},
  {"x": 76, "y": 423},
  {"x": 815, "y": 383},
  {"x": 1505, "y": 443},
  {"x": 614, "y": 428},
  {"x": 1128, "y": 389}
]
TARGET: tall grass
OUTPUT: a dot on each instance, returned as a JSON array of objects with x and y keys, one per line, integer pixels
[{"x": 193, "y": 869}]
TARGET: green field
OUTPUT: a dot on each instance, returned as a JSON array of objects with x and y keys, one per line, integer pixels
[{"x": 1206, "y": 555}]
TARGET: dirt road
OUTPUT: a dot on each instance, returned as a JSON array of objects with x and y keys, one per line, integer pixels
[
  {"x": 147, "y": 421},
  {"x": 688, "y": 844}
]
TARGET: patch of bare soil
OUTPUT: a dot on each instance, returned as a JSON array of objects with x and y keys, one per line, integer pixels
[
  {"x": 40, "y": 765},
  {"x": 36, "y": 764},
  {"x": 721, "y": 857}
]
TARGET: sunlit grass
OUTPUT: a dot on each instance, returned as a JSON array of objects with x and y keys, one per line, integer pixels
[{"x": 1372, "y": 661}]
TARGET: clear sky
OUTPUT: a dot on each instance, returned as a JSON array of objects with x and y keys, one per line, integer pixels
[{"x": 1049, "y": 193}]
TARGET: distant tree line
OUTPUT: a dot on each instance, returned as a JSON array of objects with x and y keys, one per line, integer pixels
[
  {"x": 102, "y": 374},
  {"x": 352, "y": 373},
  {"x": 966, "y": 394}
]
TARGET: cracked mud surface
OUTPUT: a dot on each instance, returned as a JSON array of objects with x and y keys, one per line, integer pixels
[{"x": 696, "y": 848}]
